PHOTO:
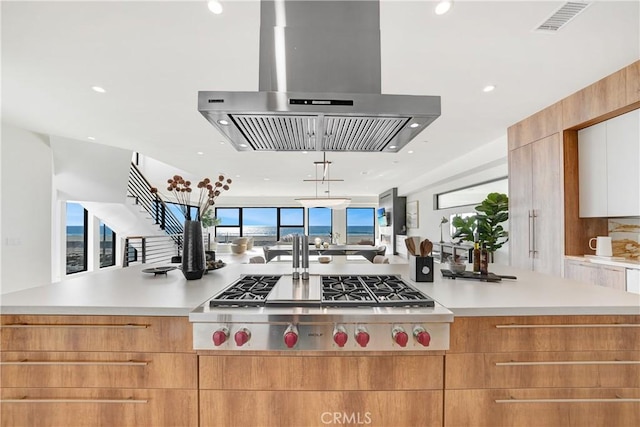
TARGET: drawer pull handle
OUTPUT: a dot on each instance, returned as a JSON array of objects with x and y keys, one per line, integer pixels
[
  {"x": 571, "y": 362},
  {"x": 560, "y": 400},
  {"x": 74, "y": 363},
  {"x": 74, "y": 325},
  {"x": 587, "y": 325},
  {"x": 39, "y": 400}
]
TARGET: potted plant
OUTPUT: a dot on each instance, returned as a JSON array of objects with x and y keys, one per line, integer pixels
[{"x": 493, "y": 211}]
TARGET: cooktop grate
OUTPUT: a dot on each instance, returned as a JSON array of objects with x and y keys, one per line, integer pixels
[
  {"x": 371, "y": 290},
  {"x": 249, "y": 291}
]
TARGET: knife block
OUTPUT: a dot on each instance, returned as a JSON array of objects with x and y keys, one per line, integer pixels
[{"x": 421, "y": 268}]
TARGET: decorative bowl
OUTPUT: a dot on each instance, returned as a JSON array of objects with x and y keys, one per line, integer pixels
[
  {"x": 324, "y": 259},
  {"x": 457, "y": 268}
]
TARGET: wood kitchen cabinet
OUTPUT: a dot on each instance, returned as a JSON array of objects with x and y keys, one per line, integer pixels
[
  {"x": 596, "y": 274},
  {"x": 316, "y": 390},
  {"x": 97, "y": 370},
  {"x": 609, "y": 167},
  {"x": 536, "y": 205},
  {"x": 543, "y": 371}
]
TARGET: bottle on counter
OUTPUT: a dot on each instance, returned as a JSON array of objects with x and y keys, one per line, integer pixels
[
  {"x": 484, "y": 259},
  {"x": 476, "y": 253}
]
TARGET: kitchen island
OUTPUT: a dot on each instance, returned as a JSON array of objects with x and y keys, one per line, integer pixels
[{"x": 117, "y": 346}]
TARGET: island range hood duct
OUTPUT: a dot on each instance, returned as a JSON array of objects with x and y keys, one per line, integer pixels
[{"x": 319, "y": 85}]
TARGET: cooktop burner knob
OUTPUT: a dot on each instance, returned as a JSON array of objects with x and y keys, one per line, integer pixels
[
  {"x": 290, "y": 336},
  {"x": 242, "y": 337},
  {"x": 290, "y": 339},
  {"x": 220, "y": 336},
  {"x": 340, "y": 336},
  {"x": 362, "y": 336},
  {"x": 421, "y": 335},
  {"x": 400, "y": 336}
]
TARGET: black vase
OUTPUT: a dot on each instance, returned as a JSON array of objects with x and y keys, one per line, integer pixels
[{"x": 193, "y": 257}]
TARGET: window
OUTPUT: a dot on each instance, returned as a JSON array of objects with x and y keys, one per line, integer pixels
[
  {"x": 107, "y": 246},
  {"x": 176, "y": 210},
  {"x": 360, "y": 225},
  {"x": 472, "y": 195},
  {"x": 320, "y": 223},
  {"x": 261, "y": 224},
  {"x": 291, "y": 221},
  {"x": 229, "y": 227},
  {"x": 76, "y": 223}
]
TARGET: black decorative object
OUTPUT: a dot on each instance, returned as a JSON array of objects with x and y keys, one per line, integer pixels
[
  {"x": 193, "y": 256},
  {"x": 421, "y": 268},
  {"x": 490, "y": 277},
  {"x": 159, "y": 270}
]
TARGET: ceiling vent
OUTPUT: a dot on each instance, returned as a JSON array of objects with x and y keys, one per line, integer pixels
[{"x": 561, "y": 17}]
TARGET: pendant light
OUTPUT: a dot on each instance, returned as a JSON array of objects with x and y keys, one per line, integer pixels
[{"x": 325, "y": 177}]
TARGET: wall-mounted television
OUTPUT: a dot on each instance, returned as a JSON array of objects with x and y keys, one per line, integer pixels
[{"x": 382, "y": 217}]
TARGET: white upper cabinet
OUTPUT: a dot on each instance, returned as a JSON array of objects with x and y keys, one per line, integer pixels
[
  {"x": 609, "y": 167},
  {"x": 623, "y": 160},
  {"x": 592, "y": 170}
]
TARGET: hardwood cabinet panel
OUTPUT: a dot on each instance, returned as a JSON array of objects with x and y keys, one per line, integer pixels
[
  {"x": 595, "y": 101},
  {"x": 322, "y": 373},
  {"x": 632, "y": 74},
  {"x": 579, "y": 407},
  {"x": 547, "y": 205},
  {"x": 538, "y": 126},
  {"x": 543, "y": 369},
  {"x": 95, "y": 333},
  {"x": 317, "y": 408},
  {"x": 536, "y": 206},
  {"x": 520, "y": 182},
  {"x": 544, "y": 333},
  {"x": 40, "y": 407},
  {"x": 108, "y": 370}
]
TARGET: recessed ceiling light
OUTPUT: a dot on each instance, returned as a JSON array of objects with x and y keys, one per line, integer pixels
[
  {"x": 91, "y": 138},
  {"x": 98, "y": 89},
  {"x": 410, "y": 151},
  {"x": 223, "y": 122},
  {"x": 443, "y": 7},
  {"x": 414, "y": 125},
  {"x": 304, "y": 152},
  {"x": 267, "y": 179},
  {"x": 488, "y": 88},
  {"x": 214, "y": 6},
  {"x": 391, "y": 147},
  {"x": 243, "y": 145},
  {"x": 221, "y": 142},
  {"x": 237, "y": 176},
  {"x": 200, "y": 153}
]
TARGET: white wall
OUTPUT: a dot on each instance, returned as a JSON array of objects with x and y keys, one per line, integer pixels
[
  {"x": 484, "y": 164},
  {"x": 26, "y": 209}
]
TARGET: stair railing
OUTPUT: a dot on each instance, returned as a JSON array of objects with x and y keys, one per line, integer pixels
[{"x": 138, "y": 188}]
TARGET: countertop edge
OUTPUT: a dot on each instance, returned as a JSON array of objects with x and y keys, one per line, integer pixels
[
  {"x": 626, "y": 264},
  {"x": 95, "y": 311},
  {"x": 545, "y": 311}
]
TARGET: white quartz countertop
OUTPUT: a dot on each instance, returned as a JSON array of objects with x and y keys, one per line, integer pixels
[{"x": 128, "y": 291}]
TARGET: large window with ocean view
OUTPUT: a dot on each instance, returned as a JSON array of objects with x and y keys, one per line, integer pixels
[
  {"x": 76, "y": 222},
  {"x": 107, "y": 246},
  {"x": 320, "y": 224},
  {"x": 261, "y": 224},
  {"x": 229, "y": 227},
  {"x": 360, "y": 225},
  {"x": 291, "y": 221}
]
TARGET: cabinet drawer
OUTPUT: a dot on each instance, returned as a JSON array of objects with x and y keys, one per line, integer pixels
[
  {"x": 84, "y": 369},
  {"x": 318, "y": 408},
  {"x": 321, "y": 373},
  {"x": 542, "y": 407},
  {"x": 543, "y": 369},
  {"x": 544, "y": 333},
  {"x": 93, "y": 407},
  {"x": 96, "y": 333}
]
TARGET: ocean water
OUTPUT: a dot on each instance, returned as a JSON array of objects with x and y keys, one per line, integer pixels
[{"x": 322, "y": 230}]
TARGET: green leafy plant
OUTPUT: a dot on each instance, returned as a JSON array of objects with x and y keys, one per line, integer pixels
[
  {"x": 493, "y": 211},
  {"x": 208, "y": 220}
]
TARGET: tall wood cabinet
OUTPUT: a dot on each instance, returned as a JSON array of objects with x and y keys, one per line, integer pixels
[{"x": 536, "y": 197}]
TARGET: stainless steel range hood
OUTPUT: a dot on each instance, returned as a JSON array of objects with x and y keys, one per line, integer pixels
[{"x": 319, "y": 85}]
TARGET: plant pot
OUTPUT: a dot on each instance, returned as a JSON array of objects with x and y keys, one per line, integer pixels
[{"x": 193, "y": 255}]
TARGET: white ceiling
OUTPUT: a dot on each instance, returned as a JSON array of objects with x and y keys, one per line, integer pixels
[{"x": 153, "y": 58}]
